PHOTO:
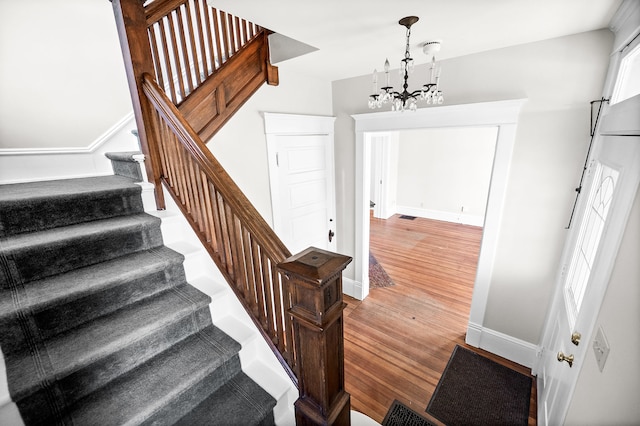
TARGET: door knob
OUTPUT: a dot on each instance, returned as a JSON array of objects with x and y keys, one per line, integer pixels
[
  {"x": 575, "y": 338},
  {"x": 331, "y": 235},
  {"x": 568, "y": 358}
]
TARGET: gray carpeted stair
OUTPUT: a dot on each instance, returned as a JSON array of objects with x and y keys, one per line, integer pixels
[
  {"x": 124, "y": 164},
  {"x": 97, "y": 322}
]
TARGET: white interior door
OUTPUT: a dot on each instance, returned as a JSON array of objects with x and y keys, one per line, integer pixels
[
  {"x": 305, "y": 187},
  {"x": 377, "y": 166},
  {"x": 587, "y": 262},
  {"x": 301, "y": 172},
  {"x": 383, "y": 179}
]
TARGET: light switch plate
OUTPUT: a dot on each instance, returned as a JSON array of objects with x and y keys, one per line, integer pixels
[{"x": 601, "y": 348}]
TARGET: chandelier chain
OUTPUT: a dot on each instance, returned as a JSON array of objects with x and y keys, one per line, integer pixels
[{"x": 407, "y": 55}]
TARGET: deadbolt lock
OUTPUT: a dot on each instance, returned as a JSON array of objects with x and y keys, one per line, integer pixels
[
  {"x": 568, "y": 358},
  {"x": 575, "y": 338}
]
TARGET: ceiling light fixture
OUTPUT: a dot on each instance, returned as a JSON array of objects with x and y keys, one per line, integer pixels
[{"x": 401, "y": 101}]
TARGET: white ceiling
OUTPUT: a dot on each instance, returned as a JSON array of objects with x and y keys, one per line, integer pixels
[{"x": 355, "y": 36}]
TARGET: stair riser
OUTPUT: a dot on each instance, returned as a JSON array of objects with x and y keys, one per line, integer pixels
[
  {"x": 41, "y": 214},
  {"x": 91, "y": 377},
  {"x": 239, "y": 401},
  {"x": 37, "y": 262},
  {"x": 196, "y": 393},
  {"x": 64, "y": 316},
  {"x": 128, "y": 169}
]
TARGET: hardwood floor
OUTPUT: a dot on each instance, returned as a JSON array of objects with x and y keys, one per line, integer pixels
[{"x": 399, "y": 339}]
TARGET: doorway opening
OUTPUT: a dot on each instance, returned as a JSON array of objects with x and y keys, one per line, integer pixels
[
  {"x": 439, "y": 179},
  {"x": 501, "y": 114}
]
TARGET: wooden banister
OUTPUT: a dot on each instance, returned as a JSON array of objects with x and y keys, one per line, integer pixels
[
  {"x": 236, "y": 236},
  {"x": 228, "y": 189},
  {"x": 190, "y": 68},
  {"x": 315, "y": 281}
]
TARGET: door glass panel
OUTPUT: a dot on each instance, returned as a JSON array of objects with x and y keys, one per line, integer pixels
[{"x": 591, "y": 229}]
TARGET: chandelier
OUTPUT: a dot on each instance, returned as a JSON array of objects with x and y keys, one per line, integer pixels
[{"x": 404, "y": 100}]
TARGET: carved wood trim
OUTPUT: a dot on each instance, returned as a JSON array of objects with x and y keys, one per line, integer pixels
[{"x": 212, "y": 104}]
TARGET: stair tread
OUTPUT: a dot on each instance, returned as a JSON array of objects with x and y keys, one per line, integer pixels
[
  {"x": 127, "y": 156},
  {"x": 142, "y": 392},
  {"x": 239, "y": 402},
  {"x": 79, "y": 347},
  {"x": 64, "y": 188},
  {"x": 82, "y": 281},
  {"x": 54, "y": 236}
]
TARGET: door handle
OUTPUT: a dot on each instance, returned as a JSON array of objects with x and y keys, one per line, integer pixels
[
  {"x": 575, "y": 338},
  {"x": 568, "y": 358},
  {"x": 331, "y": 235}
]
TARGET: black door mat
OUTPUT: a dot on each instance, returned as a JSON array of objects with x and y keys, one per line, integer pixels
[{"x": 475, "y": 390}]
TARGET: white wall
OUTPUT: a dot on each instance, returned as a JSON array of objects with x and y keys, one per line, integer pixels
[
  {"x": 33, "y": 164},
  {"x": 241, "y": 145},
  {"x": 446, "y": 171},
  {"x": 51, "y": 55},
  {"x": 559, "y": 77},
  {"x": 611, "y": 396}
]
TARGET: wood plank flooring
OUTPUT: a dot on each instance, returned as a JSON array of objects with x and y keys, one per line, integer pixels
[{"x": 399, "y": 339}]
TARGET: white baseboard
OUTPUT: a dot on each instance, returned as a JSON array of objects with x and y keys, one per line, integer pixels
[
  {"x": 516, "y": 350},
  {"x": 352, "y": 288},
  {"x": 465, "y": 219}
]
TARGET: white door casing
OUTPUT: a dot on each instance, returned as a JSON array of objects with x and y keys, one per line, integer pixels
[
  {"x": 502, "y": 114},
  {"x": 302, "y": 182}
]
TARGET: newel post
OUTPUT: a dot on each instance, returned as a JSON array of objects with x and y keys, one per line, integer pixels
[
  {"x": 314, "y": 279},
  {"x": 136, "y": 51}
]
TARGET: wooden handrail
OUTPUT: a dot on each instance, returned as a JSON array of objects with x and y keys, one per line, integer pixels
[{"x": 212, "y": 168}]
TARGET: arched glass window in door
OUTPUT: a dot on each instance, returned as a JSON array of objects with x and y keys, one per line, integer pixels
[{"x": 591, "y": 230}]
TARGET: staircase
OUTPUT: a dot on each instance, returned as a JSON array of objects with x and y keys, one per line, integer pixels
[{"x": 98, "y": 324}]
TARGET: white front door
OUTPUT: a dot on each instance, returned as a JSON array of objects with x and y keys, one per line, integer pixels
[
  {"x": 592, "y": 244},
  {"x": 301, "y": 172}
]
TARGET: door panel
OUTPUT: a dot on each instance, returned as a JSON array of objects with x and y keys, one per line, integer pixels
[
  {"x": 303, "y": 198},
  {"x": 588, "y": 259}
]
